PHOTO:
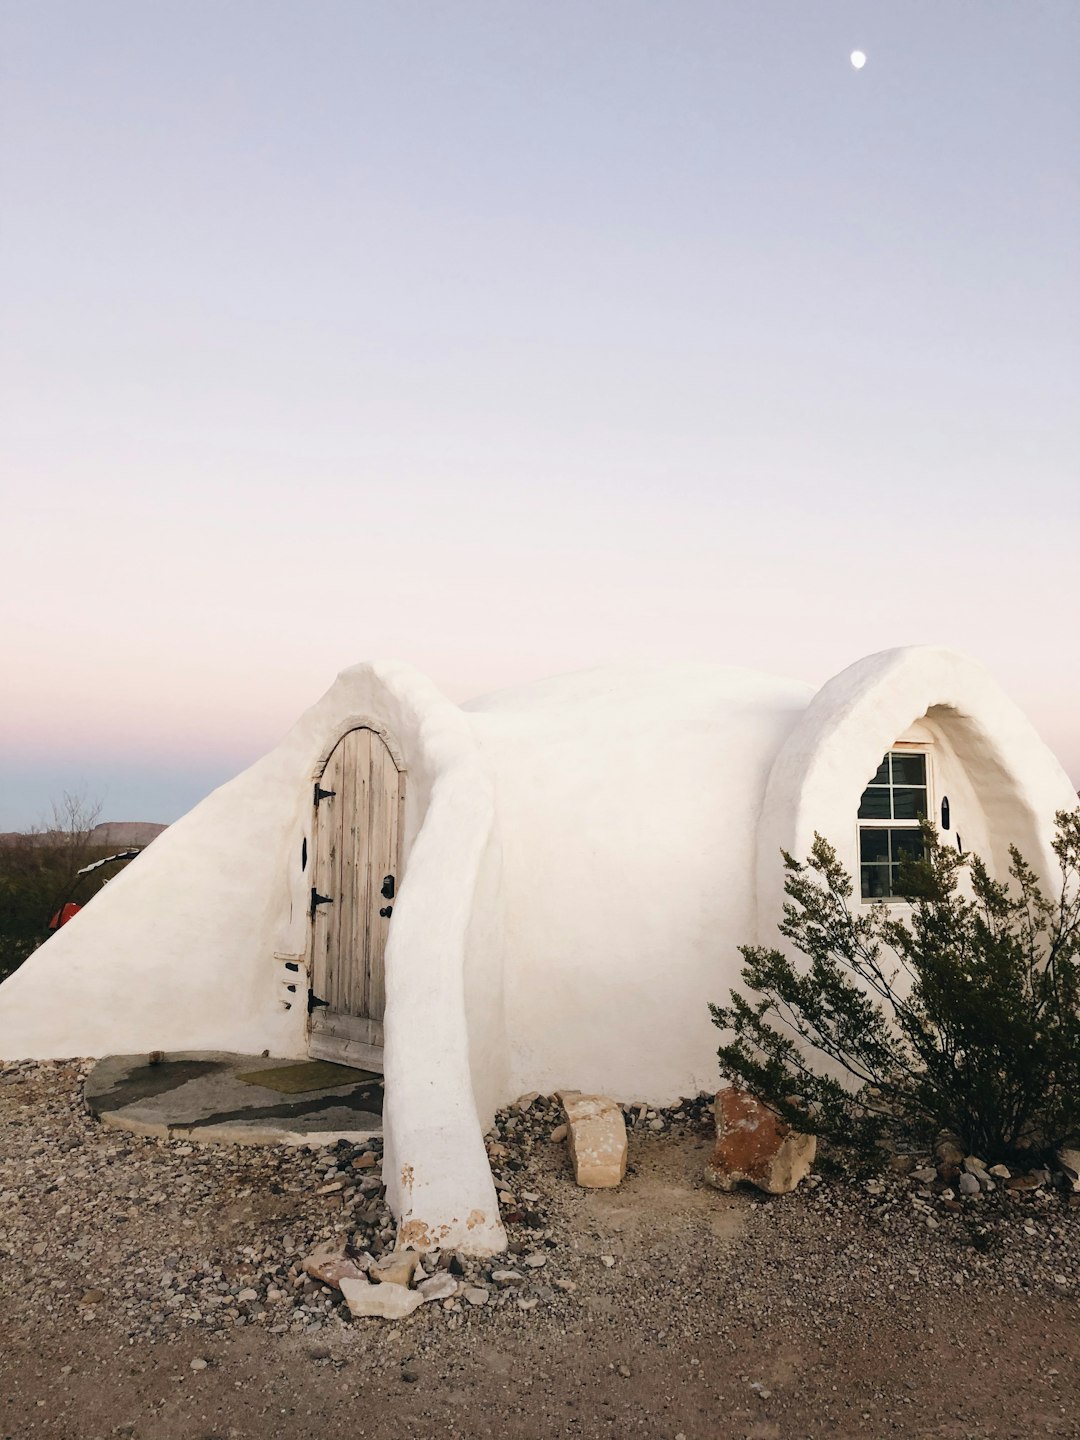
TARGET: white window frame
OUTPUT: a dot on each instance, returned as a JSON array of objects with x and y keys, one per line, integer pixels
[{"x": 898, "y": 747}]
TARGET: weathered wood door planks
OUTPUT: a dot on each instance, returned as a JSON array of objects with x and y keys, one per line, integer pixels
[{"x": 357, "y": 845}]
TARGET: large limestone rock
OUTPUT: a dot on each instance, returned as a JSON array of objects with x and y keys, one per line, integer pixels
[
  {"x": 755, "y": 1146},
  {"x": 597, "y": 1138}
]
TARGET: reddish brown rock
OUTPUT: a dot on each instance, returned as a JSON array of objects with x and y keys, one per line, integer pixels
[
  {"x": 754, "y": 1146},
  {"x": 329, "y": 1264}
]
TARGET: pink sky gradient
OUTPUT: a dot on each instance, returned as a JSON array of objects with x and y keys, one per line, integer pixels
[{"x": 508, "y": 341}]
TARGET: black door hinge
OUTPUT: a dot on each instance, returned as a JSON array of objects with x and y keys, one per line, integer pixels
[
  {"x": 321, "y": 794},
  {"x": 314, "y": 1003},
  {"x": 317, "y": 900}
]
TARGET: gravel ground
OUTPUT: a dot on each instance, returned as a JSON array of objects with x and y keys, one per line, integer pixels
[{"x": 154, "y": 1289}]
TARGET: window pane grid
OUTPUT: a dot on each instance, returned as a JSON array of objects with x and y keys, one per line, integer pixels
[{"x": 897, "y": 792}]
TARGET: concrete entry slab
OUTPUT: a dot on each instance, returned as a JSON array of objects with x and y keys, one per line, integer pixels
[{"x": 215, "y": 1096}]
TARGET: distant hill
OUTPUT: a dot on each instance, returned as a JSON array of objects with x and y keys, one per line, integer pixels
[
  {"x": 110, "y": 834},
  {"x": 125, "y": 832}
]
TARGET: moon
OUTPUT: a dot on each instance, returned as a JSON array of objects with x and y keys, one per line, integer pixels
[{"x": 858, "y": 59}]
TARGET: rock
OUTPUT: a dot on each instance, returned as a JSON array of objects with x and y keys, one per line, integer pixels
[
  {"x": 559, "y": 1134},
  {"x": 924, "y": 1176},
  {"x": 974, "y": 1166},
  {"x": 1069, "y": 1161},
  {"x": 755, "y": 1146},
  {"x": 535, "y": 1261},
  {"x": 948, "y": 1152},
  {"x": 525, "y": 1102},
  {"x": 656, "y": 1124},
  {"x": 527, "y": 1303},
  {"x": 389, "y": 1302},
  {"x": 607, "y": 1261},
  {"x": 476, "y": 1294},
  {"x": 440, "y": 1286},
  {"x": 597, "y": 1139},
  {"x": 1000, "y": 1172},
  {"x": 969, "y": 1184},
  {"x": 318, "y": 1352},
  {"x": 397, "y": 1268},
  {"x": 199, "y": 1363},
  {"x": 1024, "y": 1182},
  {"x": 92, "y": 1297},
  {"x": 329, "y": 1264},
  {"x": 365, "y": 1161},
  {"x": 246, "y": 1295},
  {"x": 502, "y": 1278}
]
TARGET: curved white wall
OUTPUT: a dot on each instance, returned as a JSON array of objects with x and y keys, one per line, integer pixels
[
  {"x": 1004, "y": 785},
  {"x": 627, "y": 805},
  {"x": 186, "y": 949}
]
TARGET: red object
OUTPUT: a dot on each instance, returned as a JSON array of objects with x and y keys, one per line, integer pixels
[{"x": 64, "y": 914}]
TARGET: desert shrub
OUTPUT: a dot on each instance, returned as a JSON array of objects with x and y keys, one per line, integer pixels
[
  {"x": 963, "y": 1015},
  {"x": 39, "y": 871}
]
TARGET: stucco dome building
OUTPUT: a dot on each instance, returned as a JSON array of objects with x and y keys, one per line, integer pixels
[{"x": 542, "y": 888}]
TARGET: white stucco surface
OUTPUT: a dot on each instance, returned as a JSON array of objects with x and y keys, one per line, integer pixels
[{"x": 582, "y": 858}]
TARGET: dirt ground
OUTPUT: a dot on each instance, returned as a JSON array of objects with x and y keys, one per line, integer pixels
[{"x": 694, "y": 1315}]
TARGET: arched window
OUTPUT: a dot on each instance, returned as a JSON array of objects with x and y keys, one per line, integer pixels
[{"x": 894, "y": 803}]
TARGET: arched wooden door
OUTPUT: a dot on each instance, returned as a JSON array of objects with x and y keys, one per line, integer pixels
[{"x": 359, "y": 804}]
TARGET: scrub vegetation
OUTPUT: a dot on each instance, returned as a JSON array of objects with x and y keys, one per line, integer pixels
[
  {"x": 961, "y": 1015},
  {"x": 39, "y": 873}
]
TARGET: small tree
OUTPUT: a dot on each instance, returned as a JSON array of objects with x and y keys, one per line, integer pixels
[{"x": 964, "y": 1017}]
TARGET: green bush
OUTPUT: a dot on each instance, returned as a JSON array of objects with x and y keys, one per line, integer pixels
[
  {"x": 963, "y": 1016},
  {"x": 39, "y": 872}
]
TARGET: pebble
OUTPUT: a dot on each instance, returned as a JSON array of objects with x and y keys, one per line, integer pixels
[
  {"x": 476, "y": 1295},
  {"x": 199, "y": 1363}
]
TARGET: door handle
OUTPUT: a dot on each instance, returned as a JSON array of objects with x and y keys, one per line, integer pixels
[
  {"x": 386, "y": 911},
  {"x": 387, "y": 891}
]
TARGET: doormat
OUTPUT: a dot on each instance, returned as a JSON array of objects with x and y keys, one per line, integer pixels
[{"x": 309, "y": 1075}]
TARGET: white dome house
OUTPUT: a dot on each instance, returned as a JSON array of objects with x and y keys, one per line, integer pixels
[{"x": 540, "y": 889}]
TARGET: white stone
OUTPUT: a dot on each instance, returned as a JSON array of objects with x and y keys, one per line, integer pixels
[
  {"x": 597, "y": 1139},
  {"x": 390, "y": 1302},
  {"x": 1069, "y": 1160},
  {"x": 440, "y": 1286}
]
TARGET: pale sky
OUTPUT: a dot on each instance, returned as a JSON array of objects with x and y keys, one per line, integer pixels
[{"x": 513, "y": 338}]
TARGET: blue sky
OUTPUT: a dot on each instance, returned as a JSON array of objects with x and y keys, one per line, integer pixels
[{"x": 513, "y": 338}]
